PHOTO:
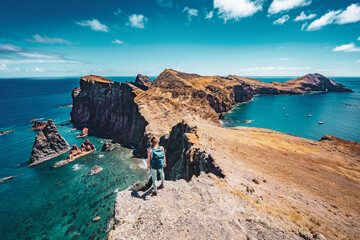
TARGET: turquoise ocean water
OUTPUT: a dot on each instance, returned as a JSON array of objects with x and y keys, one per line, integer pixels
[
  {"x": 340, "y": 112},
  {"x": 46, "y": 203}
]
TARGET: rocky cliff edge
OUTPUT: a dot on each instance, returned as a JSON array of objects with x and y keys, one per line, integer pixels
[{"x": 264, "y": 183}]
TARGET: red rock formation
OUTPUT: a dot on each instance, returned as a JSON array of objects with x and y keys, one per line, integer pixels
[
  {"x": 76, "y": 152},
  {"x": 38, "y": 125},
  {"x": 84, "y": 132}
]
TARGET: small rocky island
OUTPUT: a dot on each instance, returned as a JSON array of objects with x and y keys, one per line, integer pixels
[
  {"x": 223, "y": 183},
  {"x": 48, "y": 144},
  {"x": 76, "y": 152}
]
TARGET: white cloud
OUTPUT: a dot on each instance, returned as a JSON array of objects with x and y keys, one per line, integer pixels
[
  {"x": 209, "y": 15},
  {"x": 11, "y": 49},
  {"x": 347, "y": 48},
  {"x": 324, "y": 20},
  {"x": 284, "y": 59},
  {"x": 303, "y": 16},
  {"x": 27, "y": 61},
  {"x": 283, "y": 5},
  {"x": 358, "y": 38},
  {"x": 281, "y": 20},
  {"x": 350, "y": 15},
  {"x": 303, "y": 26},
  {"x": 274, "y": 68},
  {"x": 4, "y": 68},
  {"x": 137, "y": 21},
  {"x": 165, "y": 3},
  {"x": 37, "y": 69},
  {"x": 191, "y": 12},
  {"x": 47, "y": 40},
  {"x": 118, "y": 11},
  {"x": 17, "y": 55},
  {"x": 94, "y": 24},
  {"x": 117, "y": 41},
  {"x": 237, "y": 9}
]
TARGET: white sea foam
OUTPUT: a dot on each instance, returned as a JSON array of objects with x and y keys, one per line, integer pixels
[
  {"x": 143, "y": 164},
  {"x": 77, "y": 167}
]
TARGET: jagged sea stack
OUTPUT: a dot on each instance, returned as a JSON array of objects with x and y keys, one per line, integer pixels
[{"x": 48, "y": 144}]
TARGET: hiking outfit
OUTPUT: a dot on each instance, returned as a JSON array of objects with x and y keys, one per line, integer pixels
[{"x": 157, "y": 164}]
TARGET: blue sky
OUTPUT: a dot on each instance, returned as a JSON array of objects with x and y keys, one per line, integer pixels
[{"x": 209, "y": 37}]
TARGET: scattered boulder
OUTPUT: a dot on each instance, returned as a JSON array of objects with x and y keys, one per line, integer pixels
[
  {"x": 6, "y": 132},
  {"x": 84, "y": 132},
  {"x": 96, "y": 219},
  {"x": 76, "y": 152},
  {"x": 48, "y": 144},
  {"x": 5, "y": 179},
  {"x": 38, "y": 125},
  {"x": 95, "y": 170},
  {"x": 66, "y": 106},
  {"x": 107, "y": 147}
]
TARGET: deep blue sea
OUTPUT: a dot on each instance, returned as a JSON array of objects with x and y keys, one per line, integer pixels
[
  {"x": 340, "y": 112},
  {"x": 46, "y": 203}
]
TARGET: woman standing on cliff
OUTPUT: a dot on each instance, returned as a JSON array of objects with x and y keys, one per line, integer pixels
[{"x": 156, "y": 162}]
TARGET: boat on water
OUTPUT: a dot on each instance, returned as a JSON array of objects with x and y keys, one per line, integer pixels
[
  {"x": 283, "y": 108},
  {"x": 320, "y": 122},
  {"x": 286, "y": 115},
  {"x": 309, "y": 115}
]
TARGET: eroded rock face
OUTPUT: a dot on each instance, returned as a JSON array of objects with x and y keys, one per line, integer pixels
[
  {"x": 48, "y": 144},
  {"x": 108, "y": 109},
  {"x": 131, "y": 115},
  {"x": 182, "y": 159}
]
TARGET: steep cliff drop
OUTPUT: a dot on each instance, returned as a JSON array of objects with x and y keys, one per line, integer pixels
[
  {"x": 48, "y": 144},
  {"x": 251, "y": 183}
]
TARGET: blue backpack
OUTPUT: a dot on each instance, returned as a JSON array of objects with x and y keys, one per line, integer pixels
[{"x": 157, "y": 158}]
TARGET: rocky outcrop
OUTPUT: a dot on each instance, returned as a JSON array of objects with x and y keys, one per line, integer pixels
[
  {"x": 255, "y": 185},
  {"x": 6, "y": 132},
  {"x": 306, "y": 84},
  {"x": 108, "y": 109},
  {"x": 76, "y": 152},
  {"x": 95, "y": 170},
  {"x": 142, "y": 82},
  {"x": 182, "y": 158},
  {"x": 6, "y": 178},
  {"x": 193, "y": 210},
  {"x": 48, "y": 144},
  {"x": 130, "y": 115},
  {"x": 107, "y": 147},
  {"x": 38, "y": 125},
  {"x": 84, "y": 132},
  {"x": 317, "y": 82}
]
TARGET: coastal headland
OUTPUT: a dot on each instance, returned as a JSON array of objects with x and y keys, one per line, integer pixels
[{"x": 234, "y": 183}]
